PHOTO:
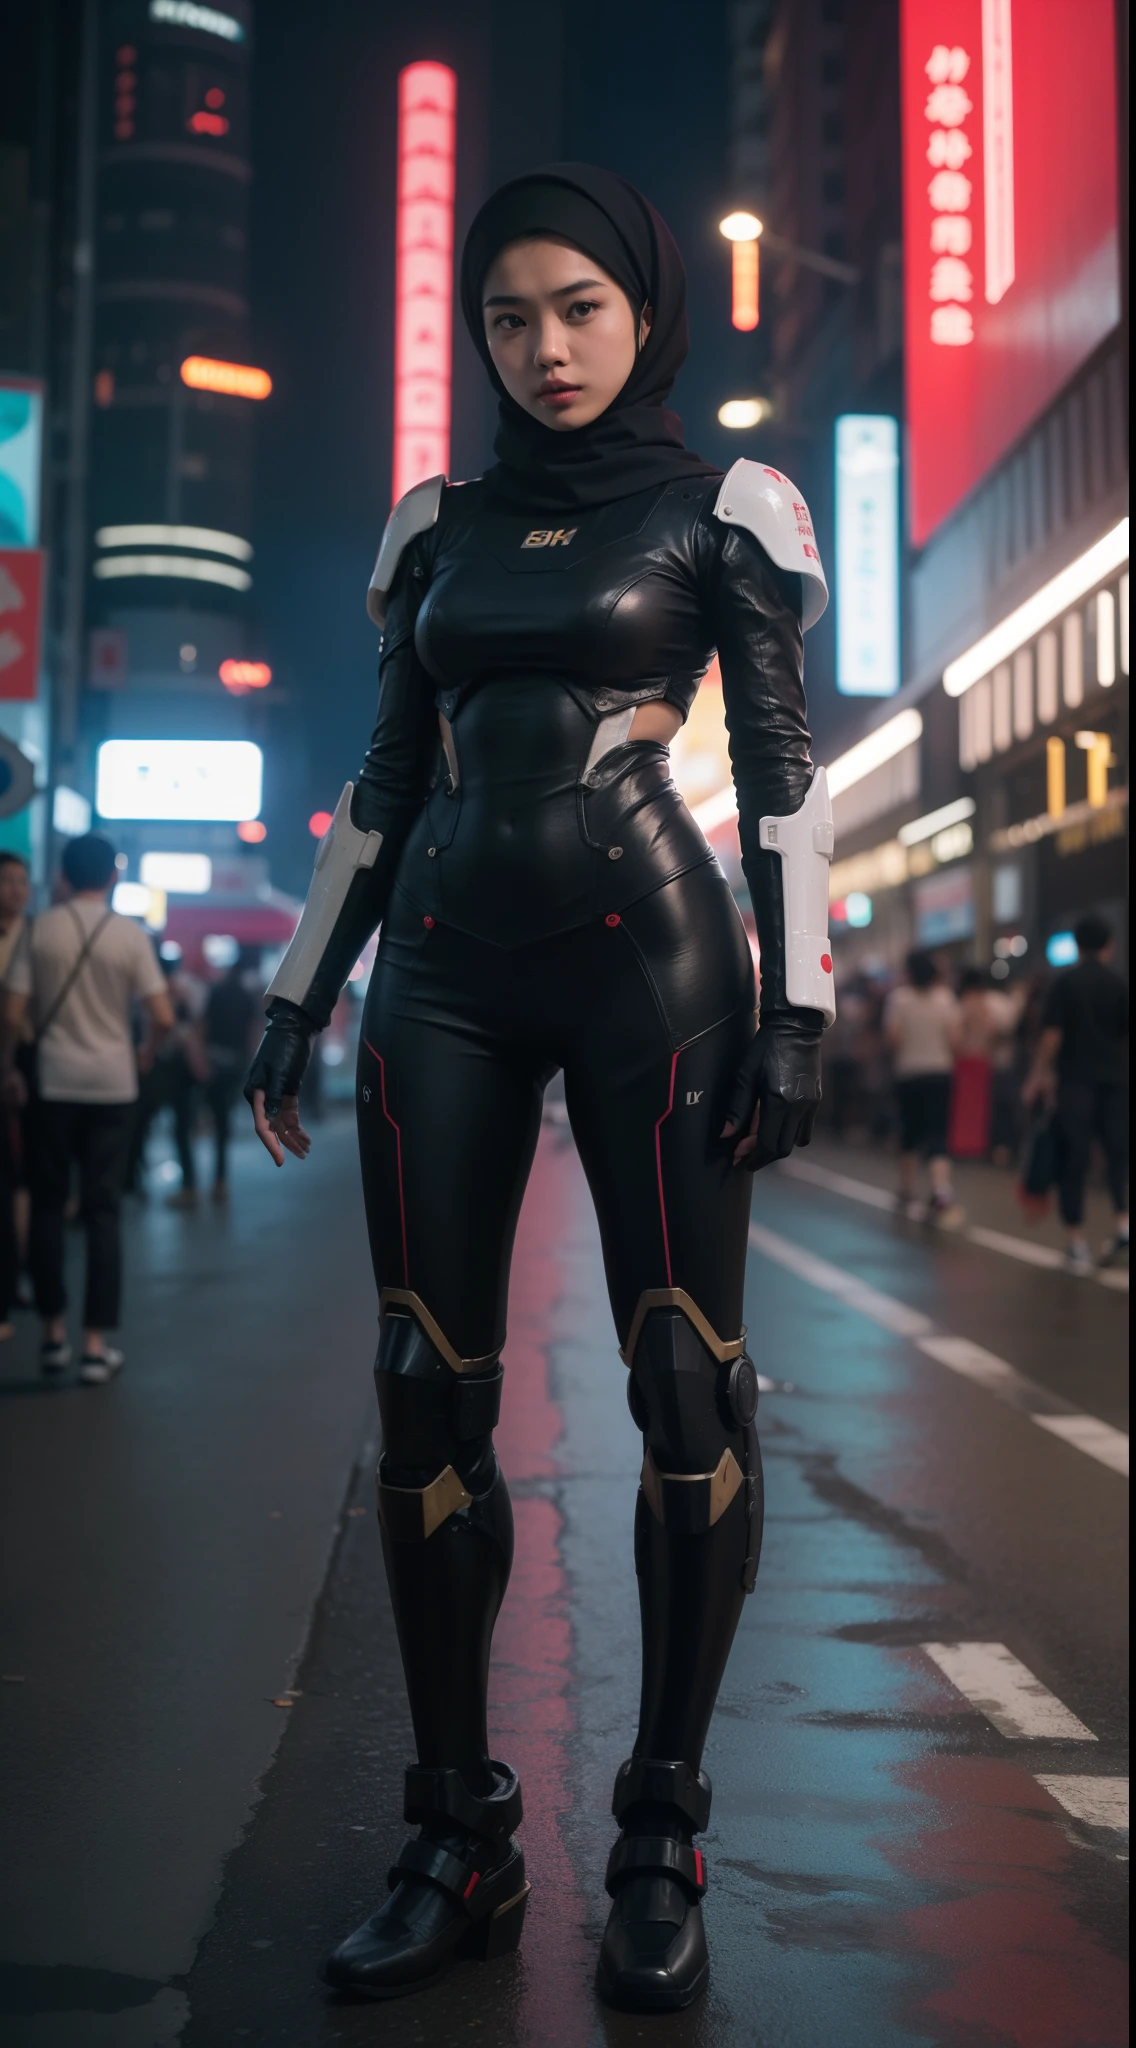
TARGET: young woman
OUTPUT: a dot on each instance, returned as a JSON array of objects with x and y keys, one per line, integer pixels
[{"x": 548, "y": 902}]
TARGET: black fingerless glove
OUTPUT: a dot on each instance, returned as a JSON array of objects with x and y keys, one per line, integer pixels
[
  {"x": 282, "y": 1056},
  {"x": 780, "y": 1073}
]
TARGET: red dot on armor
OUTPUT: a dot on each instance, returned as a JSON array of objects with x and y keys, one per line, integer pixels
[
  {"x": 612, "y": 918},
  {"x": 826, "y": 962},
  {"x": 429, "y": 923}
]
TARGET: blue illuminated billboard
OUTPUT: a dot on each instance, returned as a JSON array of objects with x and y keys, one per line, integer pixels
[
  {"x": 867, "y": 555},
  {"x": 21, "y": 452}
]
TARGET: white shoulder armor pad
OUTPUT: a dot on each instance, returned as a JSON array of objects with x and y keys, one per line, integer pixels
[
  {"x": 770, "y": 507},
  {"x": 413, "y": 514},
  {"x": 804, "y": 841}
]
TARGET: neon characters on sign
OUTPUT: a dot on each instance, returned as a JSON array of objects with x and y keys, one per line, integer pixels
[
  {"x": 950, "y": 192},
  {"x": 424, "y": 246}
]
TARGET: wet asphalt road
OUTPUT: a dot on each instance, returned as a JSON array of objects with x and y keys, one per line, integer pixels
[{"x": 886, "y": 1866}]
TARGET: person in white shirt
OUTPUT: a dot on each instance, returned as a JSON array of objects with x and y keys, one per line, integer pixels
[
  {"x": 77, "y": 971},
  {"x": 15, "y": 887},
  {"x": 921, "y": 1024}
]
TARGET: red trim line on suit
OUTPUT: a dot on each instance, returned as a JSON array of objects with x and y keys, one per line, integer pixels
[
  {"x": 659, "y": 1170},
  {"x": 398, "y": 1154}
]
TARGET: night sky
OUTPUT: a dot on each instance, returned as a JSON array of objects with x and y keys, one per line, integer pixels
[{"x": 641, "y": 86}]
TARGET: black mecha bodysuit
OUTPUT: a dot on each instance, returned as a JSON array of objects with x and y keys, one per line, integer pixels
[{"x": 548, "y": 902}]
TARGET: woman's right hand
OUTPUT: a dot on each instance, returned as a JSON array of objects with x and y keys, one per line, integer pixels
[{"x": 272, "y": 1083}]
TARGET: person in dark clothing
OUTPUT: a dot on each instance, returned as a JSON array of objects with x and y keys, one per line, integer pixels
[
  {"x": 232, "y": 1021},
  {"x": 1081, "y": 1067},
  {"x": 547, "y": 902}
]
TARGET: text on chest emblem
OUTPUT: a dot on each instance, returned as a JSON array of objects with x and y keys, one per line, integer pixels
[{"x": 546, "y": 537}]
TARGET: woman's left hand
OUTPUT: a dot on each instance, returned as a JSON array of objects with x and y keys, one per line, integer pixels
[{"x": 776, "y": 1093}]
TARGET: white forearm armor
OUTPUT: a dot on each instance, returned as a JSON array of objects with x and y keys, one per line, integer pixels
[
  {"x": 343, "y": 850},
  {"x": 804, "y": 842}
]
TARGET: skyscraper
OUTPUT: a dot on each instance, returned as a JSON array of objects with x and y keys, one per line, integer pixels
[{"x": 172, "y": 563}]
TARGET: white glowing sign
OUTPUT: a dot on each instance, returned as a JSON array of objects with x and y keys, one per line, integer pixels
[
  {"x": 867, "y": 555},
  {"x": 198, "y": 781},
  {"x": 998, "y": 147},
  {"x": 179, "y": 874}
]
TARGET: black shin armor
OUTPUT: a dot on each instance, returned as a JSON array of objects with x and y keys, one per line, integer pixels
[
  {"x": 699, "y": 1514},
  {"x": 447, "y": 1531}
]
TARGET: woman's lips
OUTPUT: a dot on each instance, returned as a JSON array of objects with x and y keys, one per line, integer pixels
[{"x": 558, "y": 395}]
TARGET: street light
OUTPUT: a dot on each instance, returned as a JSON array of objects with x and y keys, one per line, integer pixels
[
  {"x": 743, "y": 230},
  {"x": 744, "y": 412}
]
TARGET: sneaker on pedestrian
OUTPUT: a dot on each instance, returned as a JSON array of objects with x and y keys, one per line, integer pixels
[
  {"x": 55, "y": 1357},
  {"x": 1078, "y": 1258},
  {"x": 185, "y": 1198},
  {"x": 945, "y": 1213},
  {"x": 97, "y": 1367},
  {"x": 1114, "y": 1254}
]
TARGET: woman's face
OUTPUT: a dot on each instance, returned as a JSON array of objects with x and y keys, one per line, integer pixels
[{"x": 561, "y": 332}]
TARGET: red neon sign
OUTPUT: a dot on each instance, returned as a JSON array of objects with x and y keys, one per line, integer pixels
[
  {"x": 424, "y": 244},
  {"x": 1010, "y": 224}
]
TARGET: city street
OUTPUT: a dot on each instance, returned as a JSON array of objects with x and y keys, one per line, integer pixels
[{"x": 919, "y": 1761}]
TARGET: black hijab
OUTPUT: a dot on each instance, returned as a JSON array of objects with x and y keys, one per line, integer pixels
[{"x": 636, "y": 442}]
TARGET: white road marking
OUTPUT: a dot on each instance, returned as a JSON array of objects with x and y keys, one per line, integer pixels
[
  {"x": 1023, "y": 1248},
  {"x": 1100, "y": 1802},
  {"x": 1083, "y": 1432},
  {"x": 1006, "y": 1691},
  {"x": 982, "y": 1366},
  {"x": 881, "y": 1308},
  {"x": 1109, "y": 1445}
]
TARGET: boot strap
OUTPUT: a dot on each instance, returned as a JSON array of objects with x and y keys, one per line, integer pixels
[
  {"x": 478, "y": 1891},
  {"x": 655, "y": 1856},
  {"x": 432, "y": 1792}
]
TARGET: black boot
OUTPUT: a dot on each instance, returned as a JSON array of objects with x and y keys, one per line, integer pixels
[
  {"x": 654, "y": 1957},
  {"x": 697, "y": 1543},
  {"x": 458, "y": 1890}
]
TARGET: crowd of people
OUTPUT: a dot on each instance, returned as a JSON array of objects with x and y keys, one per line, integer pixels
[
  {"x": 971, "y": 1070},
  {"x": 99, "y": 1032}
]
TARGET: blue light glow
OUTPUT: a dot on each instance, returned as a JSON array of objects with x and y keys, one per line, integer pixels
[{"x": 867, "y": 555}]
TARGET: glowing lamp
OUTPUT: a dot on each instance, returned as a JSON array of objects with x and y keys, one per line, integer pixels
[
  {"x": 252, "y": 832},
  {"x": 741, "y": 227},
  {"x": 319, "y": 823},
  {"x": 203, "y": 123},
  {"x": 424, "y": 244},
  {"x": 743, "y": 412},
  {"x": 240, "y": 676},
  {"x": 233, "y": 380}
]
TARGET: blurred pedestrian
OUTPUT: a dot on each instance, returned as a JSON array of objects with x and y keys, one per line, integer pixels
[
  {"x": 232, "y": 1025},
  {"x": 78, "y": 970},
  {"x": 15, "y": 889},
  {"x": 921, "y": 1023},
  {"x": 185, "y": 1071},
  {"x": 1081, "y": 1067},
  {"x": 987, "y": 1018}
]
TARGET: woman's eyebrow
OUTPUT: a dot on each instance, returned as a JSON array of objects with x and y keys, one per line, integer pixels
[{"x": 515, "y": 298}]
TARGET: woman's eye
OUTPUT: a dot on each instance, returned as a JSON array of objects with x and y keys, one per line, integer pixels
[
  {"x": 508, "y": 323},
  {"x": 582, "y": 307}
]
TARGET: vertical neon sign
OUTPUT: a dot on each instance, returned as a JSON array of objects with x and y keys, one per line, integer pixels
[{"x": 424, "y": 247}]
